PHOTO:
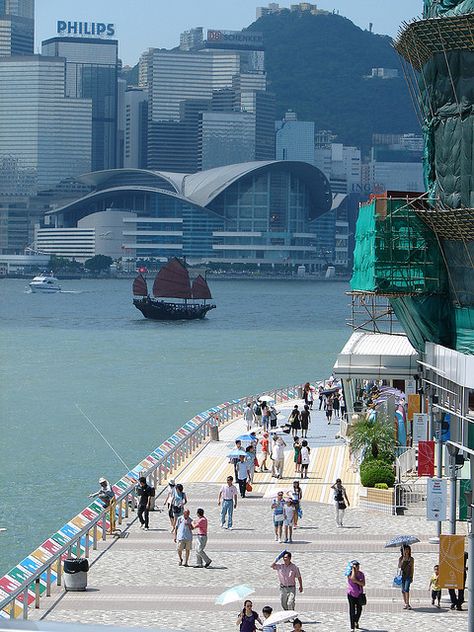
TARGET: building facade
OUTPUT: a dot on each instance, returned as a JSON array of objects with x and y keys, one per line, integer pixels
[
  {"x": 91, "y": 73},
  {"x": 17, "y": 27},
  {"x": 294, "y": 139},
  {"x": 135, "y": 128},
  {"x": 342, "y": 165}
]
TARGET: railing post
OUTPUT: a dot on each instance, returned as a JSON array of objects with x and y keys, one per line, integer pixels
[
  {"x": 59, "y": 572},
  {"x": 94, "y": 537},
  {"x": 25, "y": 603},
  {"x": 48, "y": 582},
  {"x": 37, "y": 593},
  {"x": 120, "y": 511},
  {"x": 127, "y": 502},
  {"x": 104, "y": 527},
  {"x": 87, "y": 545}
]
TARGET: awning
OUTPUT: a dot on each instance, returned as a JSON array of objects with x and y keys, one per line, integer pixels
[{"x": 377, "y": 356}]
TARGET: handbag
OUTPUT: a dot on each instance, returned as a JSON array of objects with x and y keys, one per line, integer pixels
[
  {"x": 397, "y": 581},
  {"x": 248, "y": 487},
  {"x": 363, "y": 599}
]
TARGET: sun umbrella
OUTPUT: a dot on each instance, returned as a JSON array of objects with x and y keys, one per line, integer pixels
[
  {"x": 280, "y": 617},
  {"x": 236, "y": 453},
  {"x": 246, "y": 437},
  {"x": 401, "y": 540},
  {"x": 236, "y": 593},
  {"x": 266, "y": 398}
]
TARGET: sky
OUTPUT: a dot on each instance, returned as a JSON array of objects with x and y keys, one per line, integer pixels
[{"x": 141, "y": 24}]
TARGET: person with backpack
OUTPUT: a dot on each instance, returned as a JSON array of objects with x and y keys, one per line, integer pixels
[
  {"x": 273, "y": 417},
  {"x": 257, "y": 411},
  {"x": 341, "y": 501}
]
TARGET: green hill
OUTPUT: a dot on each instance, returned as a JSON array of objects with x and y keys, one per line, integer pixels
[{"x": 316, "y": 66}]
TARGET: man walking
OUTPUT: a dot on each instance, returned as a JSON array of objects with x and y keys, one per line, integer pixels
[
  {"x": 183, "y": 535},
  {"x": 248, "y": 416},
  {"x": 278, "y": 456},
  {"x": 242, "y": 474},
  {"x": 228, "y": 499},
  {"x": 146, "y": 497},
  {"x": 200, "y": 524},
  {"x": 288, "y": 575}
]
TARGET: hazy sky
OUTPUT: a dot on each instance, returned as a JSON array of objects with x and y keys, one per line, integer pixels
[{"x": 144, "y": 23}]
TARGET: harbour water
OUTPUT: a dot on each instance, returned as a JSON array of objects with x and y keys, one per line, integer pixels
[{"x": 138, "y": 380}]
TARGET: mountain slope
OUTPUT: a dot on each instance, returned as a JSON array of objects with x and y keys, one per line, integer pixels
[{"x": 316, "y": 66}]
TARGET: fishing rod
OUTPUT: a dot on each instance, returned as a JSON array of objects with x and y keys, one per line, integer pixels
[{"x": 101, "y": 435}]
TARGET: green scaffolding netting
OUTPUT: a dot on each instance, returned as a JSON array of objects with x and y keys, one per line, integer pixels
[{"x": 436, "y": 8}]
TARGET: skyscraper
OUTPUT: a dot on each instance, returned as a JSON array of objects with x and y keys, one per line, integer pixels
[
  {"x": 17, "y": 27},
  {"x": 91, "y": 73}
]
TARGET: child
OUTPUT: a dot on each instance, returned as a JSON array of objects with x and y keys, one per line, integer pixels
[
  {"x": 297, "y": 625},
  {"x": 435, "y": 589},
  {"x": 267, "y": 611},
  {"x": 288, "y": 519}
]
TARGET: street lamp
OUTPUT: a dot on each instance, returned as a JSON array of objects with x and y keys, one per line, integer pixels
[{"x": 453, "y": 452}]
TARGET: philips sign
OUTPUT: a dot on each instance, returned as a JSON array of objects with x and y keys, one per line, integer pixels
[
  {"x": 94, "y": 29},
  {"x": 234, "y": 39}
]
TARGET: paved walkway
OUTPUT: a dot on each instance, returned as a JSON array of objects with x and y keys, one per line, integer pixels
[{"x": 136, "y": 579}]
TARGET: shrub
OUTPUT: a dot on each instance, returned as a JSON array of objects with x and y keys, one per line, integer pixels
[
  {"x": 381, "y": 486},
  {"x": 373, "y": 472}
]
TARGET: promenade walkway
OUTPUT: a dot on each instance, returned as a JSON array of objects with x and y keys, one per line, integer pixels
[{"x": 135, "y": 580}]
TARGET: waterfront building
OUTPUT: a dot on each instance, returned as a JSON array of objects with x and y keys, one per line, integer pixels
[
  {"x": 92, "y": 73},
  {"x": 257, "y": 212},
  {"x": 45, "y": 137},
  {"x": 17, "y": 27},
  {"x": 294, "y": 139},
  {"x": 342, "y": 165}
]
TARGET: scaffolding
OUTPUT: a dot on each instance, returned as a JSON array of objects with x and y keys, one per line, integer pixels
[{"x": 373, "y": 313}]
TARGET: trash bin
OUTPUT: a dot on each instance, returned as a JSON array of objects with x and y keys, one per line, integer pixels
[
  {"x": 75, "y": 573},
  {"x": 215, "y": 433}
]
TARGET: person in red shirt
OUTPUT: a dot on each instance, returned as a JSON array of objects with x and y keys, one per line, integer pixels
[
  {"x": 200, "y": 529},
  {"x": 264, "y": 447}
]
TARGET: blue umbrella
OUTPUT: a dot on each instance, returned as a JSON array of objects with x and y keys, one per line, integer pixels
[
  {"x": 236, "y": 453},
  {"x": 401, "y": 540},
  {"x": 246, "y": 437},
  {"x": 236, "y": 593}
]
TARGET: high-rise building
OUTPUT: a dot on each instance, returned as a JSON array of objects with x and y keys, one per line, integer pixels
[
  {"x": 136, "y": 128},
  {"x": 17, "y": 27},
  {"x": 192, "y": 39},
  {"x": 91, "y": 73},
  {"x": 44, "y": 136},
  {"x": 144, "y": 67},
  {"x": 342, "y": 166},
  {"x": 226, "y": 138},
  {"x": 294, "y": 139}
]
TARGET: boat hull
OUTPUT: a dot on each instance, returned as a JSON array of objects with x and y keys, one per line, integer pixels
[
  {"x": 160, "y": 310},
  {"x": 42, "y": 289}
]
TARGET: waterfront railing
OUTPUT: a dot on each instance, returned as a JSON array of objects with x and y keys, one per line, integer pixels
[{"x": 34, "y": 577}]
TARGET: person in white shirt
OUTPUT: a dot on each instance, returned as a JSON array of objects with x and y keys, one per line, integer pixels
[
  {"x": 243, "y": 473},
  {"x": 304, "y": 455},
  {"x": 228, "y": 499},
  {"x": 248, "y": 416},
  {"x": 278, "y": 456},
  {"x": 288, "y": 519}
]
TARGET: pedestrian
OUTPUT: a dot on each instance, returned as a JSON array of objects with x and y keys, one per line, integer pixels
[
  {"x": 278, "y": 456},
  {"x": 228, "y": 499},
  {"x": 336, "y": 404},
  {"x": 273, "y": 417},
  {"x": 297, "y": 454},
  {"x": 178, "y": 501},
  {"x": 406, "y": 564},
  {"x": 306, "y": 391},
  {"x": 183, "y": 535},
  {"x": 278, "y": 505},
  {"x": 297, "y": 625},
  {"x": 201, "y": 526},
  {"x": 329, "y": 409},
  {"x": 341, "y": 501},
  {"x": 305, "y": 418},
  {"x": 265, "y": 416},
  {"x": 146, "y": 496},
  {"x": 248, "y": 416},
  {"x": 305, "y": 452},
  {"x": 355, "y": 593},
  {"x": 320, "y": 396},
  {"x": 235, "y": 459},
  {"x": 294, "y": 420},
  {"x": 310, "y": 398},
  {"x": 435, "y": 587},
  {"x": 168, "y": 502},
  {"x": 248, "y": 618},
  {"x": 343, "y": 407},
  {"x": 288, "y": 575},
  {"x": 458, "y": 600},
  {"x": 257, "y": 411},
  {"x": 250, "y": 458},
  {"x": 242, "y": 474},
  {"x": 288, "y": 520},
  {"x": 264, "y": 445},
  {"x": 296, "y": 496},
  {"x": 266, "y": 612}
]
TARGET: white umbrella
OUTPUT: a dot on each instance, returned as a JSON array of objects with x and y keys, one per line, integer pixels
[
  {"x": 280, "y": 617},
  {"x": 236, "y": 593},
  {"x": 266, "y": 398}
]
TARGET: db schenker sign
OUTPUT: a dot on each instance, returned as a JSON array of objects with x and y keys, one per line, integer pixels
[
  {"x": 235, "y": 39},
  {"x": 94, "y": 29}
]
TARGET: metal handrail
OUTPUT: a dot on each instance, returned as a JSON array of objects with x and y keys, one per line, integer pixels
[{"x": 163, "y": 467}]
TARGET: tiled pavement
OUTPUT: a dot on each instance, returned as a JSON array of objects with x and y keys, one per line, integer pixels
[{"x": 136, "y": 580}]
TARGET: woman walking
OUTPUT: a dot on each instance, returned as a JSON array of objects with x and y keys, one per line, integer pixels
[
  {"x": 406, "y": 564},
  {"x": 294, "y": 420},
  {"x": 178, "y": 500},
  {"x": 329, "y": 409},
  {"x": 297, "y": 454},
  {"x": 336, "y": 405},
  {"x": 310, "y": 398},
  {"x": 341, "y": 501},
  {"x": 306, "y": 391},
  {"x": 248, "y": 618},
  {"x": 355, "y": 593},
  {"x": 296, "y": 495},
  {"x": 265, "y": 416},
  {"x": 304, "y": 458},
  {"x": 305, "y": 418}
]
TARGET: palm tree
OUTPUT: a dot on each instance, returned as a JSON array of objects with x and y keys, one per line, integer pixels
[{"x": 376, "y": 436}]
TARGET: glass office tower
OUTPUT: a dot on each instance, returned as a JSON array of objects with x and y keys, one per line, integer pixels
[
  {"x": 91, "y": 73},
  {"x": 17, "y": 27}
]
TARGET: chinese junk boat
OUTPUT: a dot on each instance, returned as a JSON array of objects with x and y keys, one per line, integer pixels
[{"x": 172, "y": 282}]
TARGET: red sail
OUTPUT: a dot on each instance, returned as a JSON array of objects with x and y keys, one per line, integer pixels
[
  {"x": 172, "y": 281},
  {"x": 201, "y": 288},
  {"x": 139, "y": 286}
]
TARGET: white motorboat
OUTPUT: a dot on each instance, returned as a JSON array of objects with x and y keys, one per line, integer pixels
[{"x": 45, "y": 283}]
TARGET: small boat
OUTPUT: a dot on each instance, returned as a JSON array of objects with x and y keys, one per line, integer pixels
[
  {"x": 45, "y": 283},
  {"x": 173, "y": 282}
]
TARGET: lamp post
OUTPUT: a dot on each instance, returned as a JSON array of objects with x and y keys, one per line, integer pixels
[
  {"x": 470, "y": 552},
  {"x": 453, "y": 451},
  {"x": 436, "y": 426}
]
